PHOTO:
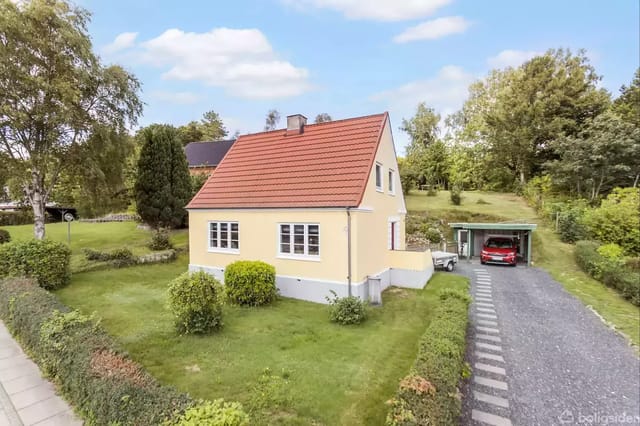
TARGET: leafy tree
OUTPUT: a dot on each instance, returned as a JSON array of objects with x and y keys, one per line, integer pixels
[
  {"x": 627, "y": 105},
  {"x": 191, "y": 132},
  {"x": 604, "y": 155},
  {"x": 209, "y": 128},
  {"x": 426, "y": 153},
  {"x": 94, "y": 180},
  {"x": 323, "y": 118},
  {"x": 272, "y": 120},
  {"x": 163, "y": 187},
  {"x": 551, "y": 95},
  {"x": 55, "y": 93},
  {"x": 212, "y": 126},
  {"x": 422, "y": 127}
]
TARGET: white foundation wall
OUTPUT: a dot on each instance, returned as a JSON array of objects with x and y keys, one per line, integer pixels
[{"x": 317, "y": 291}]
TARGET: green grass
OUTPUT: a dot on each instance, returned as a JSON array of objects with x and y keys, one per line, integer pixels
[
  {"x": 336, "y": 374},
  {"x": 549, "y": 252},
  {"x": 99, "y": 236}
]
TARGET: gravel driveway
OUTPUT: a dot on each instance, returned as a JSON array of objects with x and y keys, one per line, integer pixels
[{"x": 540, "y": 357}]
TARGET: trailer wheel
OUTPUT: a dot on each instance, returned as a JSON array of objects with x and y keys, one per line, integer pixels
[{"x": 449, "y": 267}]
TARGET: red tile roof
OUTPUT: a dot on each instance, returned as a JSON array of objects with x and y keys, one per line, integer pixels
[{"x": 328, "y": 165}]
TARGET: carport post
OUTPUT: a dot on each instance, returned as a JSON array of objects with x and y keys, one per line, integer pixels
[{"x": 529, "y": 248}]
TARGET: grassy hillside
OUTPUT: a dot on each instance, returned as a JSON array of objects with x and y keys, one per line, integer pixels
[{"x": 549, "y": 252}]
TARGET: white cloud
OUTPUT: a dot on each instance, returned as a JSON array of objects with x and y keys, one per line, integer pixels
[
  {"x": 176, "y": 97},
  {"x": 377, "y": 10},
  {"x": 242, "y": 61},
  {"x": 431, "y": 30},
  {"x": 511, "y": 58},
  {"x": 121, "y": 42},
  {"x": 445, "y": 92}
]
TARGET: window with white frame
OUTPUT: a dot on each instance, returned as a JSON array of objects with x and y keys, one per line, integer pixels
[
  {"x": 224, "y": 236},
  {"x": 379, "y": 176},
  {"x": 392, "y": 189},
  {"x": 299, "y": 239}
]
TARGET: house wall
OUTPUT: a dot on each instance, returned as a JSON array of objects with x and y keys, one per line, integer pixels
[
  {"x": 259, "y": 238},
  {"x": 371, "y": 252}
]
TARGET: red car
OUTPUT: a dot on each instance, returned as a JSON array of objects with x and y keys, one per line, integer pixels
[{"x": 502, "y": 250}]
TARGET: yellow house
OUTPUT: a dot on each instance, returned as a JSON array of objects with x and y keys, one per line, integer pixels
[{"x": 321, "y": 202}]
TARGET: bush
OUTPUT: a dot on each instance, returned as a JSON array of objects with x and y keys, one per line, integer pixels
[
  {"x": 429, "y": 395},
  {"x": 570, "y": 219},
  {"x": 609, "y": 268},
  {"x": 103, "y": 384},
  {"x": 160, "y": 241},
  {"x": 196, "y": 303},
  {"x": 456, "y": 196},
  {"x": 347, "y": 310},
  {"x": 5, "y": 237},
  {"x": 18, "y": 217},
  {"x": 432, "y": 192},
  {"x": 44, "y": 260},
  {"x": 216, "y": 413},
  {"x": 588, "y": 258},
  {"x": 430, "y": 233},
  {"x": 617, "y": 220},
  {"x": 119, "y": 257},
  {"x": 251, "y": 283}
]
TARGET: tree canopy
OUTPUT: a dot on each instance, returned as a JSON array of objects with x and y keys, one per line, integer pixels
[
  {"x": 55, "y": 94},
  {"x": 209, "y": 128},
  {"x": 271, "y": 120},
  {"x": 323, "y": 117}
]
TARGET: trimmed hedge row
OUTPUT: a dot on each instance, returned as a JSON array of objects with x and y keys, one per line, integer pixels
[
  {"x": 616, "y": 275},
  {"x": 103, "y": 383},
  {"x": 44, "y": 260},
  {"x": 429, "y": 394}
]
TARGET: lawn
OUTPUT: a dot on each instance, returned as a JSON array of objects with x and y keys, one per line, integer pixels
[
  {"x": 321, "y": 373},
  {"x": 98, "y": 236},
  {"x": 549, "y": 252}
]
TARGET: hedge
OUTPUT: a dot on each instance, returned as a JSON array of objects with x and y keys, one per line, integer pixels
[
  {"x": 429, "y": 394},
  {"x": 44, "y": 260},
  {"x": 616, "y": 275},
  {"x": 101, "y": 381}
]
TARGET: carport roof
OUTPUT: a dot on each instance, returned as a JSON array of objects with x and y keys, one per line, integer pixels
[{"x": 500, "y": 226}]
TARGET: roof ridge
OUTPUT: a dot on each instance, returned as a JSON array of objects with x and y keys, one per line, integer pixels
[{"x": 315, "y": 124}]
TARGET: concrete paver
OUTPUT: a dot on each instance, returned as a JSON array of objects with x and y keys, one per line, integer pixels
[{"x": 26, "y": 398}]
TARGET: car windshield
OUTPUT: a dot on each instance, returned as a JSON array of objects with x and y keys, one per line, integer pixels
[{"x": 499, "y": 243}]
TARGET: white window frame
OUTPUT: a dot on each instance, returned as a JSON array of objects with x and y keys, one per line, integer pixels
[
  {"x": 291, "y": 255},
  {"x": 391, "y": 185},
  {"x": 378, "y": 173},
  {"x": 219, "y": 249}
]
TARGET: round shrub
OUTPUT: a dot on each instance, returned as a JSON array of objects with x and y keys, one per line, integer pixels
[
  {"x": 196, "y": 303},
  {"x": 456, "y": 196},
  {"x": 430, "y": 233},
  {"x": 250, "y": 283},
  {"x": 45, "y": 261},
  {"x": 122, "y": 257},
  {"x": 5, "y": 237},
  {"x": 160, "y": 241},
  {"x": 216, "y": 413},
  {"x": 347, "y": 310}
]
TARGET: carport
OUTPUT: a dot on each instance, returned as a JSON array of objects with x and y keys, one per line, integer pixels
[{"x": 470, "y": 237}]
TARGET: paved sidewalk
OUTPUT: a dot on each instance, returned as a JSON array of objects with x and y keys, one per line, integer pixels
[{"x": 25, "y": 397}]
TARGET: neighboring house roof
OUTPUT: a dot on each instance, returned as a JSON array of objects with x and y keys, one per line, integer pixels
[
  {"x": 327, "y": 165},
  {"x": 207, "y": 154}
]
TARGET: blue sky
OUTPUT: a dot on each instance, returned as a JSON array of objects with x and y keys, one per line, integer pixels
[{"x": 344, "y": 57}]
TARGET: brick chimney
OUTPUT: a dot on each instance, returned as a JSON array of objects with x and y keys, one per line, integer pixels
[{"x": 295, "y": 124}]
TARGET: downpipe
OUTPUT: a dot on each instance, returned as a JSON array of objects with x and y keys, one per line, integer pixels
[{"x": 349, "y": 250}]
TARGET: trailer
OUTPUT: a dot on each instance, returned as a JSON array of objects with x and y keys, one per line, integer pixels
[{"x": 444, "y": 260}]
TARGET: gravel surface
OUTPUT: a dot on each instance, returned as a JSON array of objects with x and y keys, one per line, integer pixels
[{"x": 563, "y": 365}]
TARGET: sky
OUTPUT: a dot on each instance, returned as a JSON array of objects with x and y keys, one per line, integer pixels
[{"x": 347, "y": 58}]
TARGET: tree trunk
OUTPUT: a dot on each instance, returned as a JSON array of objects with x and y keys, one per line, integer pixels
[
  {"x": 35, "y": 194},
  {"x": 635, "y": 181}
]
